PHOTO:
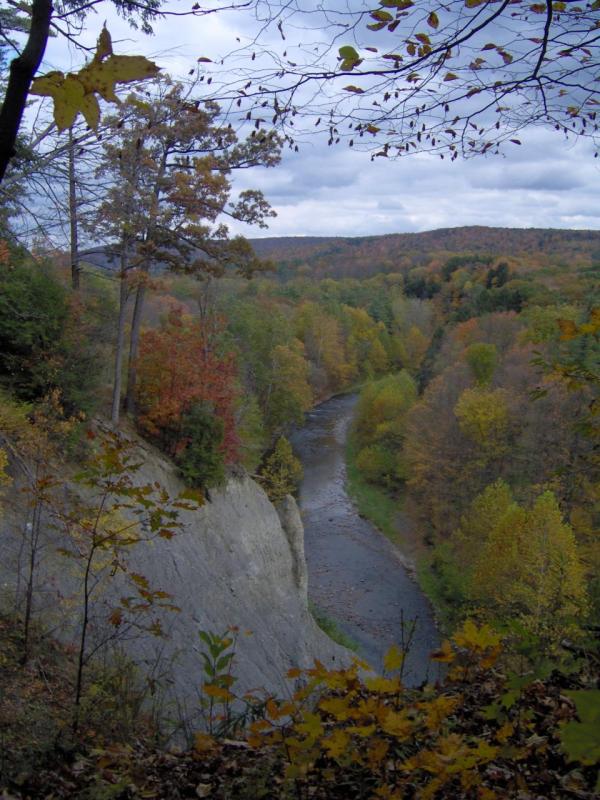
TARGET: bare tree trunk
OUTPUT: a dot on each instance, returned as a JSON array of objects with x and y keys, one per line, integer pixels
[
  {"x": 22, "y": 71},
  {"x": 73, "y": 216},
  {"x": 140, "y": 295},
  {"x": 116, "y": 399},
  {"x": 34, "y": 535},
  {"x": 134, "y": 341}
]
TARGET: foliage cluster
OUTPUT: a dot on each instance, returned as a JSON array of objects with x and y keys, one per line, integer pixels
[
  {"x": 485, "y": 731},
  {"x": 49, "y": 340}
]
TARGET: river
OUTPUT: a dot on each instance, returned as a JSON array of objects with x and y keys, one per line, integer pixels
[{"x": 355, "y": 574}]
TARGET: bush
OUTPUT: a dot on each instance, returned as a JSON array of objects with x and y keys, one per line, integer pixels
[
  {"x": 42, "y": 347},
  {"x": 281, "y": 471},
  {"x": 201, "y": 461},
  {"x": 376, "y": 464}
]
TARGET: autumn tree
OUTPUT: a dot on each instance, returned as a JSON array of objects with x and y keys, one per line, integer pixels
[
  {"x": 184, "y": 381},
  {"x": 524, "y": 561},
  {"x": 169, "y": 161},
  {"x": 365, "y": 352},
  {"x": 323, "y": 340},
  {"x": 281, "y": 472},
  {"x": 289, "y": 394},
  {"x": 379, "y": 427},
  {"x": 482, "y": 359}
]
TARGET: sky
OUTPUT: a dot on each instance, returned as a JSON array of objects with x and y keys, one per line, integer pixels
[{"x": 323, "y": 191}]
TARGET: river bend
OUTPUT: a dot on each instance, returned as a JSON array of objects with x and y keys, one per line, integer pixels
[{"x": 355, "y": 574}]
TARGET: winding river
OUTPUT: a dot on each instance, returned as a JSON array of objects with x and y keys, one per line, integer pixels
[{"x": 355, "y": 574}]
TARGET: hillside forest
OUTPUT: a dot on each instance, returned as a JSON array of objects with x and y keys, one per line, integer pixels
[{"x": 476, "y": 358}]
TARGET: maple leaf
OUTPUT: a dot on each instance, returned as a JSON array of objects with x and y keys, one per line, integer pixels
[{"x": 75, "y": 93}]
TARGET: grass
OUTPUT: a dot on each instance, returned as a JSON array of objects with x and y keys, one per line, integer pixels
[
  {"x": 330, "y": 627},
  {"x": 372, "y": 502}
]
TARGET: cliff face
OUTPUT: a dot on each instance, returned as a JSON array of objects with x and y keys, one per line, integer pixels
[{"x": 239, "y": 561}]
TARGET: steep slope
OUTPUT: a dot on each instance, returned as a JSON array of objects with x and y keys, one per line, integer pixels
[{"x": 238, "y": 561}]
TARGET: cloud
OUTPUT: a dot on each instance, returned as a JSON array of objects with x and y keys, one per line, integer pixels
[{"x": 545, "y": 182}]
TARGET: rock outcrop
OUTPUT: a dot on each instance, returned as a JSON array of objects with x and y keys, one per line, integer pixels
[{"x": 239, "y": 561}]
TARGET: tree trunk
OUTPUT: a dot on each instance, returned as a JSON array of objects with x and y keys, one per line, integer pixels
[
  {"x": 134, "y": 341},
  {"x": 22, "y": 71},
  {"x": 73, "y": 217},
  {"x": 116, "y": 399}
]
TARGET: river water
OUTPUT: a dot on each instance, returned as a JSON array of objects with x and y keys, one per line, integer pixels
[{"x": 355, "y": 574}]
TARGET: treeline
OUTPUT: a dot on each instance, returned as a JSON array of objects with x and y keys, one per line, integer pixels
[{"x": 364, "y": 256}]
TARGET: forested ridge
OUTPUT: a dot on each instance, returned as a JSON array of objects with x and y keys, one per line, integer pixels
[{"x": 358, "y": 256}]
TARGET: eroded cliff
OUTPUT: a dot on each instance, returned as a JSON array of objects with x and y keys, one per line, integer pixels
[{"x": 237, "y": 561}]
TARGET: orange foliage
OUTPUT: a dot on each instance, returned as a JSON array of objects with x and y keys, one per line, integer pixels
[{"x": 179, "y": 365}]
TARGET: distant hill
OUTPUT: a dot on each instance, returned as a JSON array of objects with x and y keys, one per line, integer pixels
[{"x": 333, "y": 256}]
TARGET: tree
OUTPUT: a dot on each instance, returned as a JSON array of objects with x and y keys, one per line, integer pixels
[
  {"x": 482, "y": 358},
  {"x": 290, "y": 394},
  {"x": 483, "y": 416},
  {"x": 183, "y": 376},
  {"x": 75, "y": 92},
  {"x": 168, "y": 161},
  {"x": 527, "y": 562},
  {"x": 39, "y": 351},
  {"x": 456, "y": 77},
  {"x": 281, "y": 472}
]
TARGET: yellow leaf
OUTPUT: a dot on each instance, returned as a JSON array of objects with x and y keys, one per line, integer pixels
[
  {"x": 218, "y": 692},
  {"x": 477, "y": 639},
  {"x": 364, "y": 731},
  {"x": 433, "y": 20},
  {"x": 336, "y": 744},
  {"x": 336, "y": 706},
  {"x": 104, "y": 45},
  {"x": 383, "y": 685},
  {"x": 90, "y": 110},
  {"x": 311, "y": 725},
  {"x": 102, "y": 76},
  {"x": 204, "y": 743},
  {"x": 377, "y": 752},
  {"x": 445, "y": 654},
  {"x": 503, "y": 733},
  {"x": 393, "y": 659},
  {"x": 437, "y": 710},
  {"x": 75, "y": 93},
  {"x": 397, "y": 724}
]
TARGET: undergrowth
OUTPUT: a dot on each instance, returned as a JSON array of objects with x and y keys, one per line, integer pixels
[
  {"x": 372, "y": 502},
  {"x": 329, "y": 626}
]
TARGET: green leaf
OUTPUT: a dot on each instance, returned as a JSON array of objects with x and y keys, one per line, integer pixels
[
  {"x": 581, "y": 740},
  {"x": 350, "y": 58},
  {"x": 348, "y": 52}
]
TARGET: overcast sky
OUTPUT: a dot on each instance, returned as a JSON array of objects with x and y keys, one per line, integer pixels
[{"x": 545, "y": 182}]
